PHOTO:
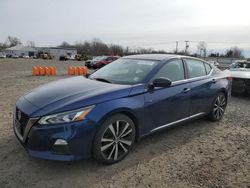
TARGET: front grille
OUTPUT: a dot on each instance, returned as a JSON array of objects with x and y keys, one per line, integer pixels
[{"x": 23, "y": 119}]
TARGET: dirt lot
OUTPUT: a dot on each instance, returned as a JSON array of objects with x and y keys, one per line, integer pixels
[{"x": 198, "y": 154}]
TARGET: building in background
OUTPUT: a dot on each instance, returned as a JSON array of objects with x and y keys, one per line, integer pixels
[
  {"x": 20, "y": 50},
  {"x": 53, "y": 52}
]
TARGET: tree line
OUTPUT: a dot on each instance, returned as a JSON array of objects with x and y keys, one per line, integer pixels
[{"x": 96, "y": 47}]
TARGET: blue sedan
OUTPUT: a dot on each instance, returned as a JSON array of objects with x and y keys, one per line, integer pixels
[{"x": 103, "y": 115}]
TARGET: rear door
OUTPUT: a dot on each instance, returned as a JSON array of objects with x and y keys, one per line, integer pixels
[
  {"x": 167, "y": 105},
  {"x": 201, "y": 85}
]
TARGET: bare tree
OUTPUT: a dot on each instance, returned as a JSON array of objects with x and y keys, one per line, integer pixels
[
  {"x": 202, "y": 48},
  {"x": 237, "y": 52},
  {"x": 30, "y": 43},
  {"x": 64, "y": 44},
  {"x": 116, "y": 49},
  {"x": 3, "y": 46},
  {"x": 12, "y": 41},
  {"x": 98, "y": 47}
]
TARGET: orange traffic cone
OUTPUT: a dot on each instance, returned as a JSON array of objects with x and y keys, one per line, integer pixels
[
  {"x": 77, "y": 70},
  {"x": 71, "y": 70},
  {"x": 47, "y": 71},
  {"x": 35, "y": 71},
  {"x": 82, "y": 70},
  {"x": 41, "y": 71}
]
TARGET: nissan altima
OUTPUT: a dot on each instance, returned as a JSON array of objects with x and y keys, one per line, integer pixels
[{"x": 102, "y": 116}]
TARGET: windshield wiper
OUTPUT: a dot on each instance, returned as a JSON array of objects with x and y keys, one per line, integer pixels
[{"x": 102, "y": 80}]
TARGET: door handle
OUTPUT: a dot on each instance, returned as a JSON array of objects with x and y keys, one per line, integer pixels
[
  {"x": 186, "y": 90},
  {"x": 214, "y": 81}
]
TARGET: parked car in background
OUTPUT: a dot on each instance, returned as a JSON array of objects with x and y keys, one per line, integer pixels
[
  {"x": 89, "y": 63},
  {"x": 100, "y": 61},
  {"x": 14, "y": 56},
  {"x": 103, "y": 115},
  {"x": 240, "y": 72},
  {"x": 26, "y": 57},
  {"x": 2, "y": 55},
  {"x": 33, "y": 57},
  {"x": 71, "y": 57}
]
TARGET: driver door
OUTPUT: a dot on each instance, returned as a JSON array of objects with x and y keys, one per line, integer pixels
[{"x": 164, "y": 106}]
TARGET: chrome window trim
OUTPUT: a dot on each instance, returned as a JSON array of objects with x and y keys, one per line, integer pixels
[
  {"x": 178, "y": 121},
  {"x": 192, "y": 79}
]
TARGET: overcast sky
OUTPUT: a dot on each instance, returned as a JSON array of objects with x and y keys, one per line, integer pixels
[{"x": 146, "y": 23}]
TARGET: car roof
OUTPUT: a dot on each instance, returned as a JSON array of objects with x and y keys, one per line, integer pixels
[{"x": 158, "y": 57}]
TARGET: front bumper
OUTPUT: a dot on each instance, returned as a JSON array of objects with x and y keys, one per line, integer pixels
[{"x": 40, "y": 140}]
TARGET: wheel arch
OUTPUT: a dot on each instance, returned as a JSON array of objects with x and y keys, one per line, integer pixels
[
  {"x": 128, "y": 112},
  {"x": 225, "y": 92}
]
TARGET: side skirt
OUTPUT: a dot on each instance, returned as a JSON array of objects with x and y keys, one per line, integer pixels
[{"x": 178, "y": 121}]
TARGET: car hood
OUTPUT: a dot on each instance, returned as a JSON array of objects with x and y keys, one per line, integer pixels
[
  {"x": 240, "y": 73},
  {"x": 72, "y": 93}
]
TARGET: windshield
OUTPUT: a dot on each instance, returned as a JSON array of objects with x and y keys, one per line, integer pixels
[
  {"x": 98, "y": 58},
  {"x": 125, "y": 71}
]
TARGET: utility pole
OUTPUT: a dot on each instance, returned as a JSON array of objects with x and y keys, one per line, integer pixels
[
  {"x": 187, "y": 46},
  {"x": 177, "y": 43}
]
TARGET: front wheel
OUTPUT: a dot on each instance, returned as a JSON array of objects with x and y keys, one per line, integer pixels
[
  {"x": 114, "y": 139},
  {"x": 218, "y": 107}
]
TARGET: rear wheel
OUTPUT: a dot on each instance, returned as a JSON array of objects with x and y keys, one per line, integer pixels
[
  {"x": 114, "y": 139},
  {"x": 218, "y": 107}
]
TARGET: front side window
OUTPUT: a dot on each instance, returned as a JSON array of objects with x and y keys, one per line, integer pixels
[
  {"x": 195, "y": 68},
  {"x": 172, "y": 70}
]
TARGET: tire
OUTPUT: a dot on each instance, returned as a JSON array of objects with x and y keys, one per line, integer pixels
[
  {"x": 111, "y": 144},
  {"x": 218, "y": 107}
]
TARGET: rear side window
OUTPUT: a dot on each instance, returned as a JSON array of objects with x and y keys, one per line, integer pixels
[
  {"x": 208, "y": 68},
  {"x": 196, "y": 68},
  {"x": 173, "y": 70}
]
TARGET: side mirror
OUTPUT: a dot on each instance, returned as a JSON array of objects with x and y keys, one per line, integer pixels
[{"x": 161, "y": 82}]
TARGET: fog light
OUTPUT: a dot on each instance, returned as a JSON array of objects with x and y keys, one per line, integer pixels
[
  {"x": 61, "y": 147},
  {"x": 61, "y": 142}
]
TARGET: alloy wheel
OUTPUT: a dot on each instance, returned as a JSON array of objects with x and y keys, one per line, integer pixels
[
  {"x": 219, "y": 106},
  {"x": 117, "y": 139}
]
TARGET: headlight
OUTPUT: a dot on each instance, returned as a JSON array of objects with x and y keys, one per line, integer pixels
[{"x": 66, "y": 117}]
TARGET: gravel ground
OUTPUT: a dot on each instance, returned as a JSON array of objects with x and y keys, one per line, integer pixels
[{"x": 198, "y": 154}]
